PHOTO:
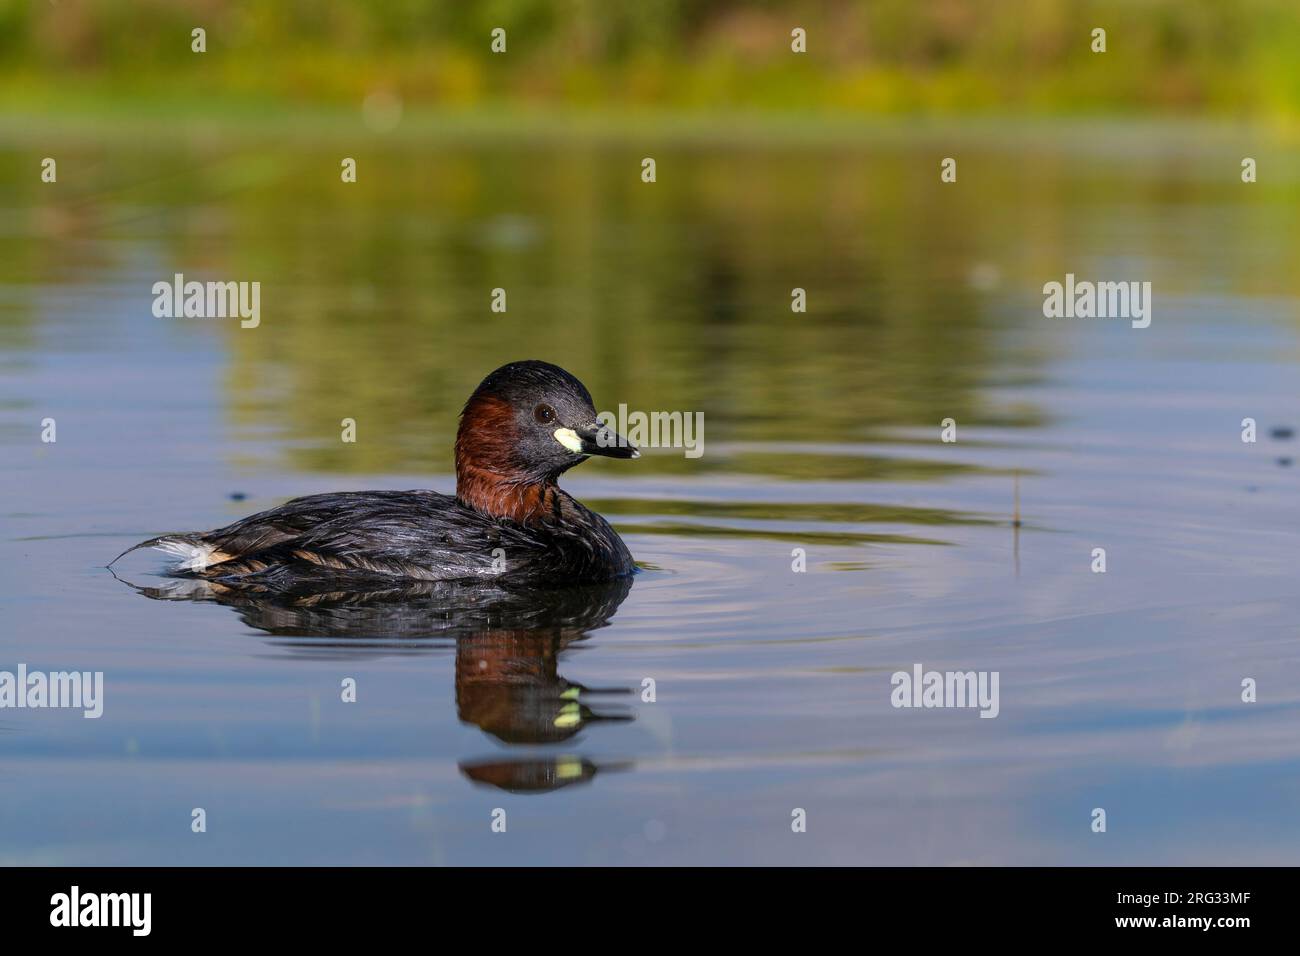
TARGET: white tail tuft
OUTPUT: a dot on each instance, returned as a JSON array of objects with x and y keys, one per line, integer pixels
[{"x": 194, "y": 555}]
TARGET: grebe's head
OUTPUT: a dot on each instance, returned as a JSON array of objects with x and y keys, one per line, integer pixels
[{"x": 525, "y": 424}]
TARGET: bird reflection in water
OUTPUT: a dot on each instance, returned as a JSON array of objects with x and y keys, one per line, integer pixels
[{"x": 508, "y": 643}]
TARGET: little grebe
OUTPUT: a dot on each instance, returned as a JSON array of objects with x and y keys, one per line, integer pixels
[{"x": 526, "y": 424}]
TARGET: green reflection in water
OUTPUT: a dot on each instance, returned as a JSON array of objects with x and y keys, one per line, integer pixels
[{"x": 666, "y": 296}]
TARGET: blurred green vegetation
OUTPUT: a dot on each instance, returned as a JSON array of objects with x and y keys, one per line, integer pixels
[{"x": 1186, "y": 57}]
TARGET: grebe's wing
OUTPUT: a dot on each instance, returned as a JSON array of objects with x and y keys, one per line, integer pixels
[
  {"x": 256, "y": 538},
  {"x": 420, "y": 535}
]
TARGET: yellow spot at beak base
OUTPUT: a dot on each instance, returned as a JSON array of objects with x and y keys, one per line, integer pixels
[{"x": 569, "y": 439}]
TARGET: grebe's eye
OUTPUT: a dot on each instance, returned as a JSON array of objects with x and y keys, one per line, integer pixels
[{"x": 544, "y": 414}]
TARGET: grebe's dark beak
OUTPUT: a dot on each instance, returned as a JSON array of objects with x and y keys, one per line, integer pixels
[{"x": 602, "y": 440}]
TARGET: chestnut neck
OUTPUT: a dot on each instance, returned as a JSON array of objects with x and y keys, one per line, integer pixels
[
  {"x": 499, "y": 496},
  {"x": 487, "y": 477}
]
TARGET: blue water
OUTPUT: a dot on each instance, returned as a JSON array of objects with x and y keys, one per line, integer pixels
[{"x": 1119, "y": 690}]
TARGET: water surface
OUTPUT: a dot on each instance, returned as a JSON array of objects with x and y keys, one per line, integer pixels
[{"x": 1119, "y": 690}]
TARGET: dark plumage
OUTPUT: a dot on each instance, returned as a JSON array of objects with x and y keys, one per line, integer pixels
[{"x": 527, "y": 423}]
